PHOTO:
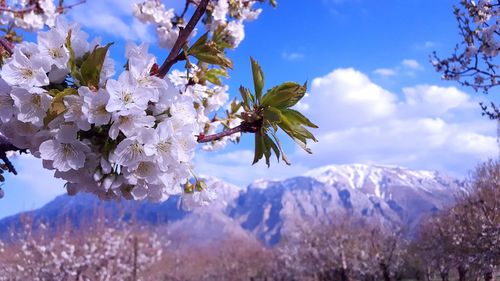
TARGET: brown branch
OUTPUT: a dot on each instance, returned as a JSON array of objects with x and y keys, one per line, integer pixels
[
  {"x": 18, "y": 11},
  {"x": 30, "y": 8},
  {"x": 244, "y": 127},
  {"x": 182, "y": 39},
  {"x": 61, "y": 9},
  {"x": 5, "y": 146},
  {"x": 6, "y": 45}
]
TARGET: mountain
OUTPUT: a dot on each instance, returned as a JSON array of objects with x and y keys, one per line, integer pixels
[
  {"x": 268, "y": 209},
  {"x": 391, "y": 195}
]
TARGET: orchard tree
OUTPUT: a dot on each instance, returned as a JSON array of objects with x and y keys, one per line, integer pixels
[
  {"x": 121, "y": 253},
  {"x": 474, "y": 62},
  {"x": 133, "y": 132},
  {"x": 466, "y": 236},
  {"x": 351, "y": 248}
]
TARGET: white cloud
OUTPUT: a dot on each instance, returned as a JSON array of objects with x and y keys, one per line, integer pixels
[
  {"x": 112, "y": 17},
  {"x": 411, "y": 64},
  {"x": 406, "y": 67},
  {"x": 348, "y": 98},
  {"x": 422, "y": 129},
  {"x": 426, "y": 45},
  {"x": 236, "y": 167},
  {"x": 434, "y": 100},
  {"x": 425, "y": 127},
  {"x": 293, "y": 56},
  {"x": 385, "y": 72}
]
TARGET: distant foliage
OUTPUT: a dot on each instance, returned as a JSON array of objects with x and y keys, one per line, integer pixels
[{"x": 466, "y": 237}]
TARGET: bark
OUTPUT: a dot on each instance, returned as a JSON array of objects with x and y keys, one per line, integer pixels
[
  {"x": 385, "y": 271},
  {"x": 462, "y": 272},
  {"x": 444, "y": 275},
  {"x": 488, "y": 276}
]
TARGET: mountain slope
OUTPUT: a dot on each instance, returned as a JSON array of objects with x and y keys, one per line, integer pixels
[
  {"x": 268, "y": 210},
  {"x": 390, "y": 195}
]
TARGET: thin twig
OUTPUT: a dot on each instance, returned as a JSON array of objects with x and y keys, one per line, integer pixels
[
  {"x": 5, "y": 45},
  {"x": 244, "y": 127},
  {"x": 186, "y": 6},
  {"x": 218, "y": 136},
  {"x": 33, "y": 7},
  {"x": 18, "y": 11},
  {"x": 182, "y": 39},
  {"x": 62, "y": 8},
  {"x": 5, "y": 146}
]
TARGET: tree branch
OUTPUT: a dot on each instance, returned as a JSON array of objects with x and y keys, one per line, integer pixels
[
  {"x": 182, "y": 39},
  {"x": 18, "y": 11},
  {"x": 6, "y": 45},
  {"x": 6, "y": 146},
  {"x": 244, "y": 127},
  {"x": 61, "y": 8}
]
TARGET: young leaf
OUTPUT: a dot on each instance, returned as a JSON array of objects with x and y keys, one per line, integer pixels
[
  {"x": 199, "y": 43},
  {"x": 209, "y": 53},
  {"x": 270, "y": 144},
  {"x": 259, "y": 147},
  {"x": 283, "y": 155},
  {"x": 296, "y": 117},
  {"x": 258, "y": 79},
  {"x": 92, "y": 66},
  {"x": 284, "y": 95},
  {"x": 246, "y": 96},
  {"x": 72, "y": 59},
  {"x": 57, "y": 106},
  {"x": 272, "y": 115},
  {"x": 212, "y": 75}
]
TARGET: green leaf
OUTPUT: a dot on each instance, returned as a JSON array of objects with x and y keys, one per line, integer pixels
[
  {"x": 298, "y": 134},
  {"x": 297, "y": 118},
  {"x": 259, "y": 147},
  {"x": 258, "y": 79},
  {"x": 272, "y": 115},
  {"x": 274, "y": 3},
  {"x": 57, "y": 106},
  {"x": 220, "y": 38},
  {"x": 271, "y": 145},
  {"x": 209, "y": 53},
  {"x": 283, "y": 155},
  {"x": 72, "y": 63},
  {"x": 92, "y": 66},
  {"x": 235, "y": 106},
  {"x": 212, "y": 75},
  {"x": 285, "y": 95},
  {"x": 247, "y": 97},
  {"x": 199, "y": 43}
]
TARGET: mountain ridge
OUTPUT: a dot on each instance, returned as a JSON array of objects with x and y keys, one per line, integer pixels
[{"x": 270, "y": 209}]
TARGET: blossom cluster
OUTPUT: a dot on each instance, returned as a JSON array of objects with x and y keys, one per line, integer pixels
[
  {"x": 473, "y": 63},
  {"x": 238, "y": 11},
  {"x": 29, "y": 15},
  {"x": 154, "y": 12},
  {"x": 133, "y": 135},
  {"x": 106, "y": 254},
  {"x": 229, "y": 15}
]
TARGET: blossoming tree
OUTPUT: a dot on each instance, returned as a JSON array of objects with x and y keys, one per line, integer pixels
[
  {"x": 475, "y": 60},
  {"x": 133, "y": 132}
]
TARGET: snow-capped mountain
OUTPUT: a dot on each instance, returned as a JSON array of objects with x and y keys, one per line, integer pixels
[
  {"x": 392, "y": 195},
  {"x": 376, "y": 179},
  {"x": 269, "y": 209}
]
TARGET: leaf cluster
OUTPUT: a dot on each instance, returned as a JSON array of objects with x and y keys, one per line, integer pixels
[
  {"x": 273, "y": 111},
  {"x": 86, "y": 71}
]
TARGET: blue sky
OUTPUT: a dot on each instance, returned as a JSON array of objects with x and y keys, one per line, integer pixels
[{"x": 372, "y": 89}]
